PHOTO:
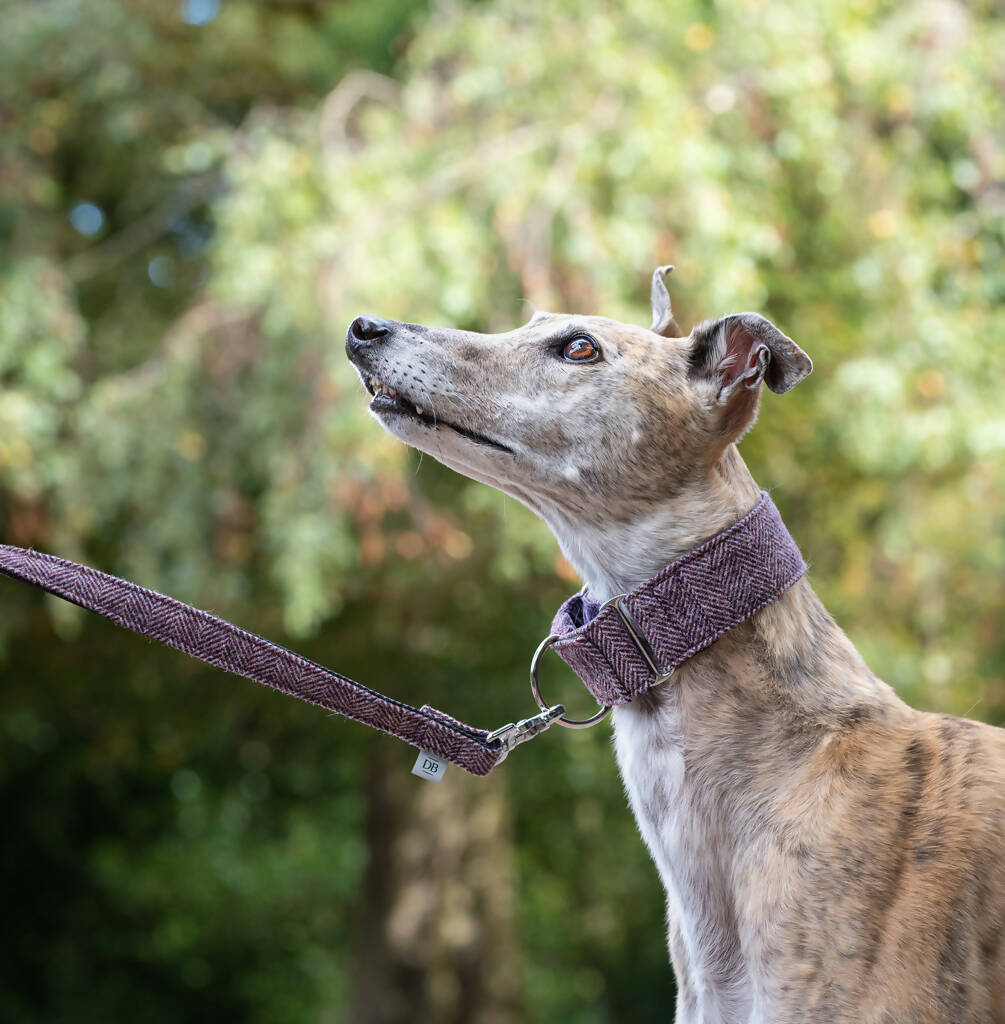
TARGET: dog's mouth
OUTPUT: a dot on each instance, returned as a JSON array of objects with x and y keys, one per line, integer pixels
[{"x": 387, "y": 401}]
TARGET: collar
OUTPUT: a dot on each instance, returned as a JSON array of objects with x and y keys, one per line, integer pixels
[{"x": 636, "y": 640}]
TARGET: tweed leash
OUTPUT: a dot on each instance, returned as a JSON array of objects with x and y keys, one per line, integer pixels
[
  {"x": 229, "y": 647},
  {"x": 679, "y": 612}
]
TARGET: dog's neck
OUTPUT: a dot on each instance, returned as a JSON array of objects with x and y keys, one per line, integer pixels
[
  {"x": 615, "y": 557},
  {"x": 790, "y": 659},
  {"x": 704, "y": 755}
]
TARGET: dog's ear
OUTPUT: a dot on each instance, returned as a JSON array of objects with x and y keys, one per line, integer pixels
[
  {"x": 740, "y": 351},
  {"x": 663, "y": 321}
]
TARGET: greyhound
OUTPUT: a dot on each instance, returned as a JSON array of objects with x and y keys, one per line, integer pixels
[{"x": 828, "y": 853}]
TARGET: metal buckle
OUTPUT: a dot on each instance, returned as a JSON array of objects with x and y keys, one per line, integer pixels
[
  {"x": 639, "y": 638},
  {"x": 535, "y": 688}
]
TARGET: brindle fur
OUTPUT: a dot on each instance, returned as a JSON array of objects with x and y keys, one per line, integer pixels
[{"x": 828, "y": 853}]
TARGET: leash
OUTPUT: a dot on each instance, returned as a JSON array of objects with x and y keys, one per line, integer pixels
[
  {"x": 619, "y": 649},
  {"x": 439, "y": 737}
]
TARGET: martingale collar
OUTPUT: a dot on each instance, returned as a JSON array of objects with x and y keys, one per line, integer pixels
[{"x": 636, "y": 640}]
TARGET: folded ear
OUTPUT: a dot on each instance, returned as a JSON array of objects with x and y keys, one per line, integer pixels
[
  {"x": 743, "y": 349},
  {"x": 663, "y": 321}
]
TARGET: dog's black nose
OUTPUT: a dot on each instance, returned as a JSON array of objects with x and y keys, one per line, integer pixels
[{"x": 366, "y": 329}]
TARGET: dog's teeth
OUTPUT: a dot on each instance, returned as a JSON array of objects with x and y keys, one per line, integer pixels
[
  {"x": 418, "y": 410},
  {"x": 380, "y": 388}
]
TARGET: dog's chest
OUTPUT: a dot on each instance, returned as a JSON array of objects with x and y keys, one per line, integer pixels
[{"x": 691, "y": 845}]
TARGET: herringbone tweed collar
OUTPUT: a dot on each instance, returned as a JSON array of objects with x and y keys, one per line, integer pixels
[{"x": 622, "y": 648}]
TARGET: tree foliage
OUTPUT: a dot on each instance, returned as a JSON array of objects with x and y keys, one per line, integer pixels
[{"x": 175, "y": 406}]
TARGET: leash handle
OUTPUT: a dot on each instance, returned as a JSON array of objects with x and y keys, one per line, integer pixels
[{"x": 221, "y": 643}]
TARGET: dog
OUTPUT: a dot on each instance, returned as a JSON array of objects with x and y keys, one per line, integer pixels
[{"x": 828, "y": 853}]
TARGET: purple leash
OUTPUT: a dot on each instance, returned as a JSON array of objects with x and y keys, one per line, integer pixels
[
  {"x": 619, "y": 649},
  {"x": 229, "y": 647}
]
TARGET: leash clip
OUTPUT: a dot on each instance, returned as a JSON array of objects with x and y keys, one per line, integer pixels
[{"x": 515, "y": 733}]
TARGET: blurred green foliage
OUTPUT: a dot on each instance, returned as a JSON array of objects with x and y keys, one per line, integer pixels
[{"x": 194, "y": 202}]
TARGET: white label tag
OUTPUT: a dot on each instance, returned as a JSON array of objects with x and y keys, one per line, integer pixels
[{"x": 429, "y": 766}]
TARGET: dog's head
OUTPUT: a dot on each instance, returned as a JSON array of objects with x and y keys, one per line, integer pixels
[{"x": 578, "y": 416}]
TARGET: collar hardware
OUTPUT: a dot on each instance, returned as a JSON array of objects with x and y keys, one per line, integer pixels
[
  {"x": 639, "y": 638},
  {"x": 535, "y": 689}
]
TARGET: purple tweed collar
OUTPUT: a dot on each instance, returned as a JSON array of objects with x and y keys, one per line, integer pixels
[{"x": 622, "y": 648}]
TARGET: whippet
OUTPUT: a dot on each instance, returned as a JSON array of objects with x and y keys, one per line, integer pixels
[{"x": 828, "y": 853}]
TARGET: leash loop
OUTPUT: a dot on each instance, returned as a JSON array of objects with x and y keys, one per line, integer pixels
[{"x": 535, "y": 689}]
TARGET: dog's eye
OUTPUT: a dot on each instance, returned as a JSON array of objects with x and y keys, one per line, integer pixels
[{"x": 581, "y": 349}]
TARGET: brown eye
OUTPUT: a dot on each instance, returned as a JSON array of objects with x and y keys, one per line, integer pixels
[{"x": 581, "y": 349}]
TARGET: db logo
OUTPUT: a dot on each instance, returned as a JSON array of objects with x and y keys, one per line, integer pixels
[{"x": 429, "y": 766}]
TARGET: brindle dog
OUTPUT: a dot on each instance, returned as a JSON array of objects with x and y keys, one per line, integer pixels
[{"x": 828, "y": 853}]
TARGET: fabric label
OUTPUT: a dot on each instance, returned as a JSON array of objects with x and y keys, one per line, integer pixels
[{"x": 429, "y": 766}]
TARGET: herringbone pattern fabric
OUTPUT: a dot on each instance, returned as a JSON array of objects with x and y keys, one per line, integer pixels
[
  {"x": 227, "y": 646},
  {"x": 684, "y": 609}
]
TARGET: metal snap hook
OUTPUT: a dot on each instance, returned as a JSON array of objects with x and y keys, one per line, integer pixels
[{"x": 535, "y": 689}]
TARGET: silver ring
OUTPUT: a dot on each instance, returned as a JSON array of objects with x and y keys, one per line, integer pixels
[{"x": 535, "y": 688}]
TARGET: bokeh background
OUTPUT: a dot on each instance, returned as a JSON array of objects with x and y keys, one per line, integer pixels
[{"x": 195, "y": 199}]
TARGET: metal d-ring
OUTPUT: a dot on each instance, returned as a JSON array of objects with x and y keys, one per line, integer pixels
[{"x": 535, "y": 688}]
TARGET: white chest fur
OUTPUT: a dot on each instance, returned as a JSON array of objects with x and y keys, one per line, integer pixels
[{"x": 693, "y": 851}]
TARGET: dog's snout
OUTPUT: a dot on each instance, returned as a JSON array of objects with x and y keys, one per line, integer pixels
[{"x": 366, "y": 329}]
